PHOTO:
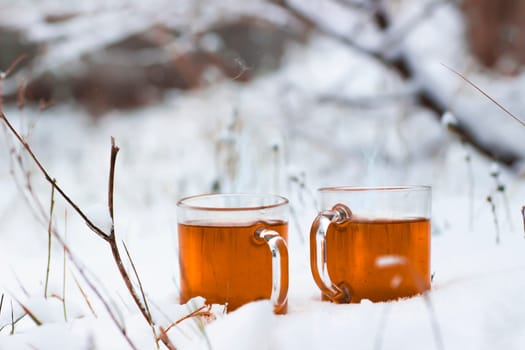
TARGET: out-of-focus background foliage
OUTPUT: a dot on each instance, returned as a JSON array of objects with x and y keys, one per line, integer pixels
[{"x": 122, "y": 55}]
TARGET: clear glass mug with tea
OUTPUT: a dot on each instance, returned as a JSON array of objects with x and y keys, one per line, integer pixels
[
  {"x": 371, "y": 243},
  {"x": 233, "y": 249}
]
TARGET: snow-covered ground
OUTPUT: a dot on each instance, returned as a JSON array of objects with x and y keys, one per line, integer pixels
[{"x": 275, "y": 137}]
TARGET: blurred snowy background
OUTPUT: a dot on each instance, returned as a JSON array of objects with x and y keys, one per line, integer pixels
[{"x": 280, "y": 96}]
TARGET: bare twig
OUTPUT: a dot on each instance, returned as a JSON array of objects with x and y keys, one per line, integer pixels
[
  {"x": 12, "y": 323},
  {"x": 113, "y": 159},
  {"x": 111, "y": 238},
  {"x": 12, "y": 320},
  {"x": 4, "y": 74},
  {"x": 509, "y": 113},
  {"x": 143, "y": 294},
  {"x": 523, "y": 216},
  {"x": 401, "y": 64},
  {"x": 494, "y": 217},
  {"x": 64, "y": 270},
  {"x": 163, "y": 336},
  {"x": 13, "y": 65},
  {"x": 204, "y": 311},
  {"x": 49, "y": 235},
  {"x": 28, "y": 312},
  {"x": 84, "y": 295}
]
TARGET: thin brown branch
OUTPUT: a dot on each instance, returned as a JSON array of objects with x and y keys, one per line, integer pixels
[
  {"x": 84, "y": 295},
  {"x": 509, "y": 113},
  {"x": 127, "y": 280},
  {"x": 49, "y": 235},
  {"x": 111, "y": 238},
  {"x": 142, "y": 293},
  {"x": 29, "y": 313},
  {"x": 51, "y": 180},
  {"x": 203, "y": 311},
  {"x": 13, "y": 65},
  {"x": 99, "y": 296},
  {"x": 165, "y": 339},
  {"x": 114, "y": 152},
  {"x": 4, "y": 74},
  {"x": 113, "y": 241},
  {"x": 64, "y": 270}
]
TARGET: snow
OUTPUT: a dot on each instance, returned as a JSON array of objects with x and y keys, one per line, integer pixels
[{"x": 176, "y": 149}]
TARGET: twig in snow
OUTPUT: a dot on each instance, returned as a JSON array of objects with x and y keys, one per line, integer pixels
[
  {"x": 470, "y": 176},
  {"x": 523, "y": 216},
  {"x": 203, "y": 311},
  {"x": 163, "y": 336},
  {"x": 4, "y": 74},
  {"x": 494, "y": 217},
  {"x": 64, "y": 270},
  {"x": 142, "y": 293},
  {"x": 49, "y": 235},
  {"x": 12, "y": 320},
  {"x": 28, "y": 312},
  {"x": 111, "y": 238},
  {"x": 84, "y": 295}
]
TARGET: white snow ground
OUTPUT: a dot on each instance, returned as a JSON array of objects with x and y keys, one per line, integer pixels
[{"x": 178, "y": 148}]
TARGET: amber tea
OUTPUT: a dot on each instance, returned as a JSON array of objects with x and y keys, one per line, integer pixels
[
  {"x": 358, "y": 248},
  {"x": 371, "y": 243},
  {"x": 225, "y": 264}
]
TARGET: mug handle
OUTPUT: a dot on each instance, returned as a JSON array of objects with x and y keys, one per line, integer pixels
[
  {"x": 318, "y": 253},
  {"x": 279, "y": 251}
]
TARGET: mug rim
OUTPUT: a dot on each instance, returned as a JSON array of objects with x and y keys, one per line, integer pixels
[
  {"x": 183, "y": 202},
  {"x": 374, "y": 188}
]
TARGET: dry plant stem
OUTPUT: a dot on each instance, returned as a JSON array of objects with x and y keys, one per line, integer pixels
[
  {"x": 142, "y": 293},
  {"x": 49, "y": 235},
  {"x": 64, "y": 269},
  {"x": 28, "y": 312},
  {"x": 513, "y": 116},
  {"x": 108, "y": 238},
  {"x": 99, "y": 296},
  {"x": 204, "y": 310},
  {"x": 523, "y": 216},
  {"x": 12, "y": 320},
  {"x": 494, "y": 217},
  {"x": 97, "y": 230},
  {"x": 4, "y": 74},
  {"x": 84, "y": 295},
  {"x": 165, "y": 339},
  {"x": 112, "y": 238},
  {"x": 470, "y": 176},
  {"x": 111, "y": 184}
]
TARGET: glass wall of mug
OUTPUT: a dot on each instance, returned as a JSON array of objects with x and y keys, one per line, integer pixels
[
  {"x": 371, "y": 243},
  {"x": 233, "y": 250}
]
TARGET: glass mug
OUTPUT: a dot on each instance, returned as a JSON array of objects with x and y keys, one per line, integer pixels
[
  {"x": 233, "y": 250},
  {"x": 371, "y": 243}
]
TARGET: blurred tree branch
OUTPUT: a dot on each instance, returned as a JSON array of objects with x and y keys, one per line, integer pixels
[{"x": 389, "y": 55}]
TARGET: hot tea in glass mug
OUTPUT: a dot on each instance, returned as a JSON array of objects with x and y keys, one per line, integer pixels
[
  {"x": 371, "y": 243},
  {"x": 232, "y": 249}
]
